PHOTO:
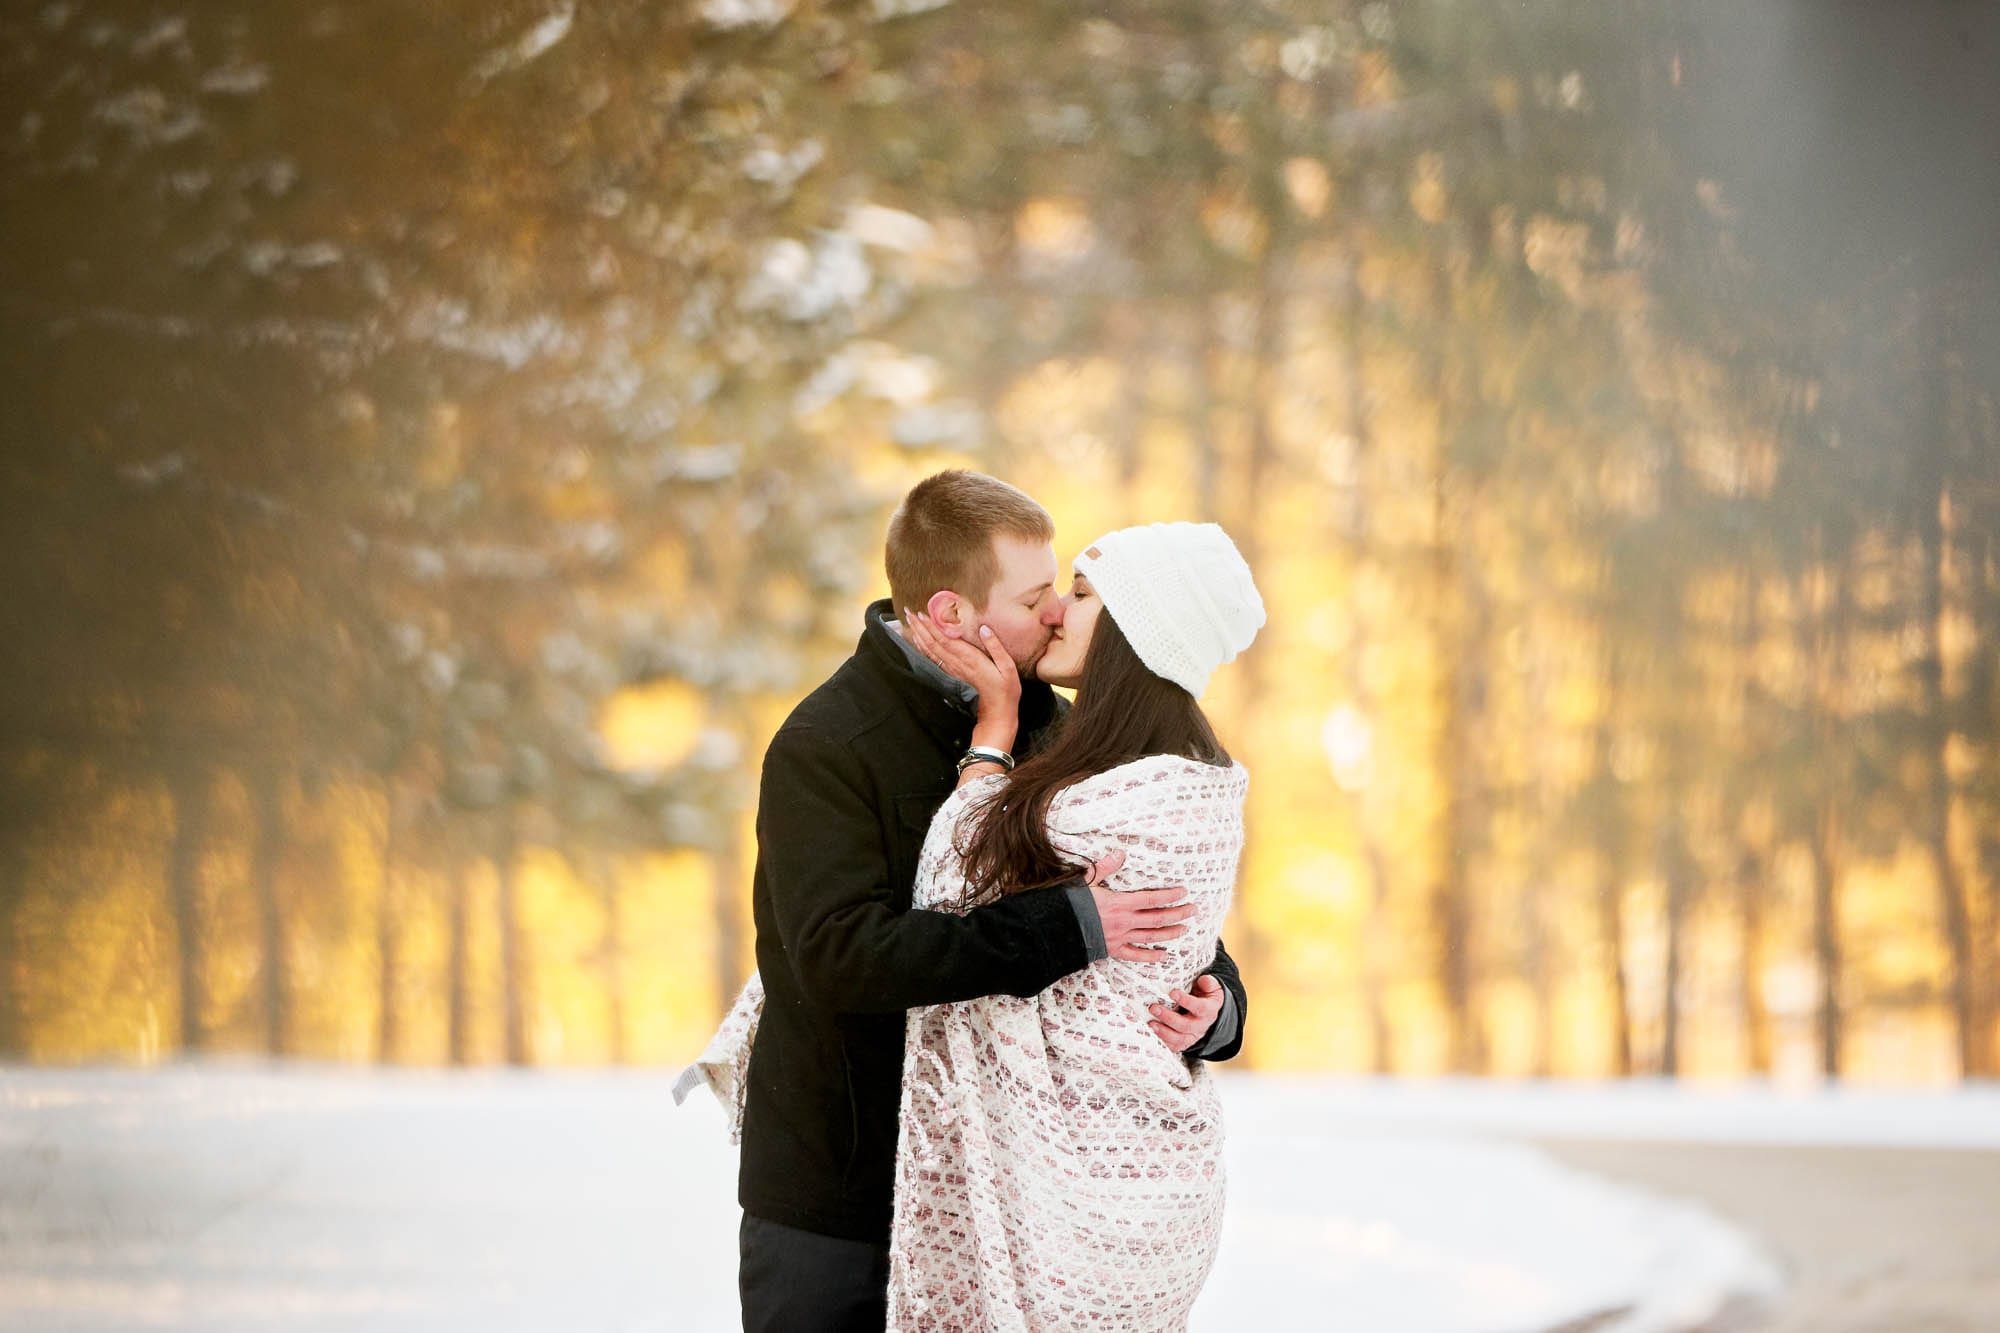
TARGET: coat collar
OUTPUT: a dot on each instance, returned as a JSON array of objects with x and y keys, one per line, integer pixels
[
  {"x": 888, "y": 658},
  {"x": 950, "y": 686}
]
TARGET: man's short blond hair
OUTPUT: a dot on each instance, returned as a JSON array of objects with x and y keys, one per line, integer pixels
[{"x": 941, "y": 536}]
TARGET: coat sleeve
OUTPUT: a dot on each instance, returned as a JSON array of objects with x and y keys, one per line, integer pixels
[{"x": 850, "y": 948}]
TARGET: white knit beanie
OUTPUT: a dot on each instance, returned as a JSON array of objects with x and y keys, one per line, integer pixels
[{"x": 1181, "y": 593}]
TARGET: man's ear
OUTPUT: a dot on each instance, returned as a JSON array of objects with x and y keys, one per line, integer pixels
[{"x": 948, "y": 612}]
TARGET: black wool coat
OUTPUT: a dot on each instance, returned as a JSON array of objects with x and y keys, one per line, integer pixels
[{"x": 850, "y": 783}]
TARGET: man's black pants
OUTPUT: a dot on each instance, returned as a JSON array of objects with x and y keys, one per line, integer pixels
[{"x": 794, "y": 1281}]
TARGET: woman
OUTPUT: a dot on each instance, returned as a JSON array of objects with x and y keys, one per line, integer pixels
[
  {"x": 1055, "y": 1157},
  {"x": 1058, "y": 1167}
]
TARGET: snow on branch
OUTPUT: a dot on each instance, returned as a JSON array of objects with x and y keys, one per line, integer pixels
[{"x": 529, "y": 46}]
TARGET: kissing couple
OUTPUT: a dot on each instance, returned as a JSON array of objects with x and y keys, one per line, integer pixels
[{"x": 969, "y": 1075}]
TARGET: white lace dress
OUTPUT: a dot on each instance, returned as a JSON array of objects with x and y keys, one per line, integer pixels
[{"x": 1059, "y": 1168}]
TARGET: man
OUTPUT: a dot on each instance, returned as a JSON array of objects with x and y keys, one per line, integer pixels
[{"x": 850, "y": 784}]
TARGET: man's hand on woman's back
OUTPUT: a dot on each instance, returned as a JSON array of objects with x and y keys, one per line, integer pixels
[{"x": 1136, "y": 921}]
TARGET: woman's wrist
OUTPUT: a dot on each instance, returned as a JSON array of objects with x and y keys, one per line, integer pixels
[
  {"x": 997, "y": 734},
  {"x": 988, "y": 736}
]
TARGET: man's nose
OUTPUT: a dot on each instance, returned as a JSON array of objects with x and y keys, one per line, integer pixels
[{"x": 1053, "y": 617}]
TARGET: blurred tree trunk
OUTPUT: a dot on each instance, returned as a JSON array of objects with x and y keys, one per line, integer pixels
[
  {"x": 1541, "y": 966},
  {"x": 1983, "y": 700},
  {"x": 267, "y": 856},
  {"x": 1450, "y": 917},
  {"x": 1981, "y": 690},
  {"x": 1989, "y": 859},
  {"x": 726, "y": 881},
  {"x": 1198, "y": 20},
  {"x": 1355, "y": 531},
  {"x": 192, "y": 803},
  {"x": 603, "y": 872},
  {"x": 1752, "y": 859},
  {"x": 1676, "y": 702},
  {"x": 1207, "y": 356},
  {"x": 1826, "y": 933},
  {"x": 1539, "y": 903},
  {"x": 1249, "y": 527},
  {"x": 1752, "y": 866},
  {"x": 1677, "y": 868},
  {"x": 513, "y": 955},
  {"x": 1673, "y": 857},
  {"x": 399, "y": 810},
  {"x": 1473, "y": 795},
  {"x": 1610, "y": 829},
  {"x": 1535, "y": 888},
  {"x": 1931, "y": 501},
  {"x": 458, "y": 990},
  {"x": 1125, "y": 336},
  {"x": 13, "y": 975},
  {"x": 729, "y": 884},
  {"x": 1457, "y": 616},
  {"x": 1377, "y": 945},
  {"x": 1829, "y": 629},
  {"x": 14, "y": 856},
  {"x": 24, "y": 803}
]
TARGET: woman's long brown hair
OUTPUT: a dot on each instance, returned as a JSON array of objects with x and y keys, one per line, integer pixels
[{"x": 1122, "y": 712}]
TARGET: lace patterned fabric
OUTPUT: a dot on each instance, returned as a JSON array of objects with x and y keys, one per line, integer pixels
[
  {"x": 724, "y": 1064},
  {"x": 1059, "y": 1168}
]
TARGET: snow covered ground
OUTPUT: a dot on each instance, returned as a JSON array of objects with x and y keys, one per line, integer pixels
[
  {"x": 318, "y": 1198},
  {"x": 1635, "y": 1109}
]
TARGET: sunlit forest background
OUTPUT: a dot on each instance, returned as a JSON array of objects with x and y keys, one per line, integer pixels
[{"x": 442, "y": 441}]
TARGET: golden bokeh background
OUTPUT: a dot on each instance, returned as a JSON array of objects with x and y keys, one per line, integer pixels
[{"x": 448, "y": 442}]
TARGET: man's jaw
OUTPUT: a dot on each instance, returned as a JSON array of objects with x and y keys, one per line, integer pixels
[{"x": 1029, "y": 668}]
